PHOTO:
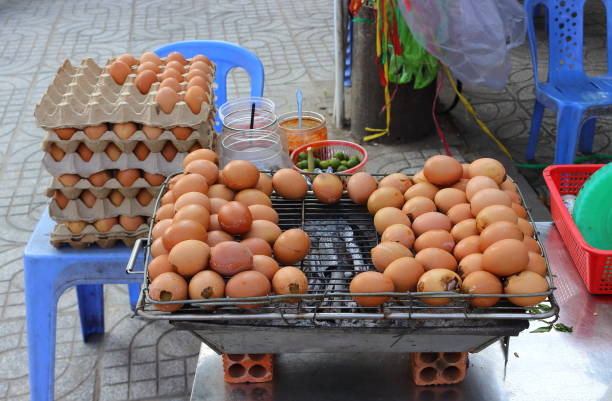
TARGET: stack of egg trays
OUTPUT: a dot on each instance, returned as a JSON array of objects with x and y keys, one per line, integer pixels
[{"x": 86, "y": 95}]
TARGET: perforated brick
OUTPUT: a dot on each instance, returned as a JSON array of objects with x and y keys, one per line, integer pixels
[
  {"x": 248, "y": 368},
  {"x": 435, "y": 368}
]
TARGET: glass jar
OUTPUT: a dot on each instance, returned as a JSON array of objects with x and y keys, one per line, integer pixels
[
  {"x": 313, "y": 128},
  {"x": 263, "y": 148},
  {"x": 245, "y": 103},
  {"x": 263, "y": 120}
]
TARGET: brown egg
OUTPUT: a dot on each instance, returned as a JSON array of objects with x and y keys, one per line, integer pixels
[
  {"x": 113, "y": 152},
  {"x": 174, "y": 180},
  {"x": 291, "y": 247},
  {"x": 196, "y": 73},
  {"x": 98, "y": 179},
  {"x": 435, "y": 239},
  {"x": 405, "y": 273},
  {"x": 175, "y": 65},
  {"x": 127, "y": 177},
  {"x": 466, "y": 170},
  {"x": 154, "y": 179},
  {"x": 526, "y": 227},
  {"x": 265, "y": 265},
  {"x": 221, "y": 191},
  {"x": 264, "y": 229},
  {"x": 104, "y": 225},
  {"x": 119, "y": 71},
  {"x": 520, "y": 210},
  {"x": 69, "y": 180},
  {"x": 158, "y": 266},
  {"x": 128, "y": 59},
  {"x": 88, "y": 198},
  {"x": 166, "y": 98},
  {"x": 205, "y": 168},
  {"x": 150, "y": 57},
  {"x": 160, "y": 227},
  {"x": 192, "y": 198},
  {"x": 234, "y": 218},
  {"x": 215, "y": 204},
  {"x": 289, "y": 280},
  {"x": 526, "y": 282},
  {"x": 169, "y": 80},
  {"x": 258, "y": 246},
  {"x": 387, "y": 216},
  {"x": 189, "y": 257},
  {"x": 516, "y": 198},
  {"x": 327, "y": 188},
  {"x": 397, "y": 180},
  {"x": 436, "y": 258},
  {"x": 247, "y": 284},
  {"x": 60, "y": 199},
  {"x": 264, "y": 184},
  {"x": 253, "y": 196},
  {"x": 193, "y": 212},
  {"x": 203, "y": 58},
  {"x": 508, "y": 185},
  {"x": 418, "y": 205},
  {"x": 116, "y": 197},
  {"x": 182, "y": 133},
  {"x": 200, "y": 65},
  {"x": 360, "y": 186},
  {"x": 446, "y": 198},
  {"x": 461, "y": 184},
  {"x": 131, "y": 223},
  {"x": 532, "y": 245},
  {"x": 466, "y": 247},
  {"x": 418, "y": 177},
  {"x": 421, "y": 189},
  {"x": 386, "y": 252},
  {"x": 240, "y": 174},
  {"x": 124, "y": 130},
  {"x": 385, "y": 197},
  {"x": 537, "y": 264},
  {"x": 201, "y": 154},
  {"x": 76, "y": 227},
  {"x": 144, "y": 197},
  {"x": 190, "y": 183},
  {"x": 438, "y": 280},
  {"x": 85, "y": 153},
  {"x": 194, "y": 97},
  {"x": 152, "y": 132},
  {"x": 464, "y": 229},
  {"x": 289, "y": 184},
  {"x": 478, "y": 183},
  {"x": 199, "y": 82},
  {"x": 168, "y": 287},
  {"x": 398, "y": 233},
  {"x": 261, "y": 212},
  {"x": 499, "y": 231},
  {"x": 144, "y": 80},
  {"x": 442, "y": 170},
  {"x": 214, "y": 223},
  {"x": 488, "y": 167},
  {"x": 158, "y": 248},
  {"x": 148, "y": 66},
  {"x": 206, "y": 284},
  {"x": 217, "y": 237},
  {"x": 369, "y": 282},
  {"x": 505, "y": 257},
  {"x": 183, "y": 230},
  {"x": 167, "y": 198},
  {"x": 487, "y": 197},
  {"x": 228, "y": 258},
  {"x": 95, "y": 131},
  {"x": 176, "y": 56},
  {"x": 64, "y": 133},
  {"x": 459, "y": 212},
  {"x": 431, "y": 221},
  {"x": 469, "y": 264},
  {"x": 482, "y": 282},
  {"x": 493, "y": 214}
]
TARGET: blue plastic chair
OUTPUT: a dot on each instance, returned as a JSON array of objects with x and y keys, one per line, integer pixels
[
  {"x": 48, "y": 272},
  {"x": 576, "y": 98},
  {"x": 226, "y": 56}
]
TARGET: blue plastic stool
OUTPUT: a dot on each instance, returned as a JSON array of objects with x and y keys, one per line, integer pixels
[
  {"x": 226, "y": 56},
  {"x": 48, "y": 272},
  {"x": 576, "y": 98}
]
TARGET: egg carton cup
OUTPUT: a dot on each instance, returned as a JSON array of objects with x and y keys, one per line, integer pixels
[
  {"x": 61, "y": 235},
  {"x": 72, "y": 163},
  {"x": 101, "y": 192},
  {"x": 87, "y": 95},
  {"x": 77, "y": 210}
]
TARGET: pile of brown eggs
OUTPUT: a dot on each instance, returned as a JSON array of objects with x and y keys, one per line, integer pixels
[
  {"x": 216, "y": 235},
  {"x": 171, "y": 72},
  {"x": 450, "y": 228}
]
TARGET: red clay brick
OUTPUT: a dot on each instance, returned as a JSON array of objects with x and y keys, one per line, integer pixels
[
  {"x": 250, "y": 391},
  {"x": 248, "y": 368},
  {"x": 433, "y": 368}
]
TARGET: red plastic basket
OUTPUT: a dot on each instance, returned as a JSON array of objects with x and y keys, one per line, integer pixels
[
  {"x": 594, "y": 265},
  {"x": 325, "y": 150}
]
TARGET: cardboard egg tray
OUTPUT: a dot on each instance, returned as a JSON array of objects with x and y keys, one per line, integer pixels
[
  {"x": 87, "y": 95},
  {"x": 102, "y": 209},
  {"x": 90, "y": 236},
  {"x": 101, "y": 192}
]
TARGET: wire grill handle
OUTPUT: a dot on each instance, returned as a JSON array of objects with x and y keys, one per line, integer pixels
[{"x": 129, "y": 269}]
